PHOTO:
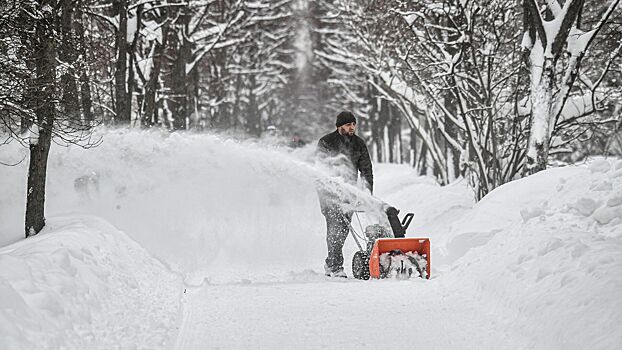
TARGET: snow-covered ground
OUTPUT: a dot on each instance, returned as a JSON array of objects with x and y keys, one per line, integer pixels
[
  {"x": 197, "y": 242},
  {"x": 82, "y": 284}
]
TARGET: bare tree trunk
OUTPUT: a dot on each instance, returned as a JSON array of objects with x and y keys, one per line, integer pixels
[
  {"x": 179, "y": 79},
  {"x": 423, "y": 160},
  {"x": 391, "y": 134},
  {"x": 179, "y": 88},
  {"x": 44, "y": 52},
  {"x": 423, "y": 151},
  {"x": 149, "y": 116},
  {"x": 131, "y": 76},
  {"x": 413, "y": 147},
  {"x": 376, "y": 135},
  {"x": 395, "y": 136},
  {"x": 68, "y": 56},
  {"x": 192, "y": 98},
  {"x": 221, "y": 117},
  {"x": 30, "y": 91},
  {"x": 253, "y": 118},
  {"x": 235, "y": 116},
  {"x": 541, "y": 123},
  {"x": 453, "y": 155},
  {"x": 37, "y": 174},
  {"x": 85, "y": 82},
  {"x": 120, "y": 76},
  {"x": 546, "y": 48},
  {"x": 378, "y": 122}
]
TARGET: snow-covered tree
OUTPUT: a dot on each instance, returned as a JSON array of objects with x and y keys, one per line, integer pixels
[
  {"x": 38, "y": 90},
  {"x": 551, "y": 31},
  {"x": 453, "y": 71}
]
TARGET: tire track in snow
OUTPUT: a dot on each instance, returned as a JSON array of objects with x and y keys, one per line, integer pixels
[{"x": 186, "y": 332}]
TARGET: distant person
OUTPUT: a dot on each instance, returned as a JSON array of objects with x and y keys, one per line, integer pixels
[
  {"x": 296, "y": 141},
  {"x": 87, "y": 186},
  {"x": 271, "y": 136},
  {"x": 345, "y": 144},
  {"x": 271, "y": 131}
]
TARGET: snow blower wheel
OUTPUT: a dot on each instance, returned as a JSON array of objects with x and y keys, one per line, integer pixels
[{"x": 360, "y": 265}]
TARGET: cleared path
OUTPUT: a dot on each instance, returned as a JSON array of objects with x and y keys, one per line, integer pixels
[{"x": 309, "y": 311}]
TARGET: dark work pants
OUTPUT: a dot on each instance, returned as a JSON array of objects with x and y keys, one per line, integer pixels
[{"x": 337, "y": 229}]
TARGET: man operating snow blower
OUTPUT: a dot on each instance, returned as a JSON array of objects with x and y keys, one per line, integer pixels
[
  {"x": 348, "y": 153},
  {"x": 348, "y": 156}
]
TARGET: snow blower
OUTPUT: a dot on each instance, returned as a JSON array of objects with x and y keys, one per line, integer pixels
[{"x": 390, "y": 255}]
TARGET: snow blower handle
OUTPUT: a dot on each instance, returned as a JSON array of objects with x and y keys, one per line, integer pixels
[
  {"x": 406, "y": 220},
  {"x": 398, "y": 228}
]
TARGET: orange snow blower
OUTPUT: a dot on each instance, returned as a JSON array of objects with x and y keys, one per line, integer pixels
[
  {"x": 388, "y": 245},
  {"x": 389, "y": 255}
]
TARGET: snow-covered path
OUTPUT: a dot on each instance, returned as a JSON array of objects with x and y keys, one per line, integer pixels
[
  {"x": 315, "y": 313},
  {"x": 287, "y": 303}
]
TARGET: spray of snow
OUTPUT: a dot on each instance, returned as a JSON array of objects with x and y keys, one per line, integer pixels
[{"x": 205, "y": 204}]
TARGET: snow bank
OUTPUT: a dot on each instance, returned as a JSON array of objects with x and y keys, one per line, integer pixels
[
  {"x": 548, "y": 246},
  {"x": 82, "y": 284}
]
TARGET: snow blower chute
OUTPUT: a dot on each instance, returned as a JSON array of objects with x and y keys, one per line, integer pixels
[{"x": 387, "y": 255}]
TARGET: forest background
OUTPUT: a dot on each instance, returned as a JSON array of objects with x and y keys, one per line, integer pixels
[{"x": 489, "y": 91}]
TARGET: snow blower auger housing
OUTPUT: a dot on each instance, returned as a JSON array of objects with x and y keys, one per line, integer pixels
[{"x": 389, "y": 255}]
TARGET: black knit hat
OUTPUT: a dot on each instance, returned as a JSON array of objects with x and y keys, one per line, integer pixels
[{"x": 345, "y": 117}]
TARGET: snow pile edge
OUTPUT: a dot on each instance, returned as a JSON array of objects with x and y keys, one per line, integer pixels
[
  {"x": 548, "y": 247},
  {"x": 82, "y": 284}
]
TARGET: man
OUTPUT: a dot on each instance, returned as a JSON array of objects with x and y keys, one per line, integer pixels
[
  {"x": 345, "y": 146},
  {"x": 297, "y": 141}
]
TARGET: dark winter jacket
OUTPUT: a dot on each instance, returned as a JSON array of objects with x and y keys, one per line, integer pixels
[{"x": 356, "y": 155}]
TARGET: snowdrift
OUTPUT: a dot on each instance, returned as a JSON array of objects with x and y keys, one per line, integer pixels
[
  {"x": 82, "y": 284},
  {"x": 548, "y": 247}
]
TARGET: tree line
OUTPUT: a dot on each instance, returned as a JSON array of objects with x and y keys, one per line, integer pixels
[{"x": 491, "y": 90}]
